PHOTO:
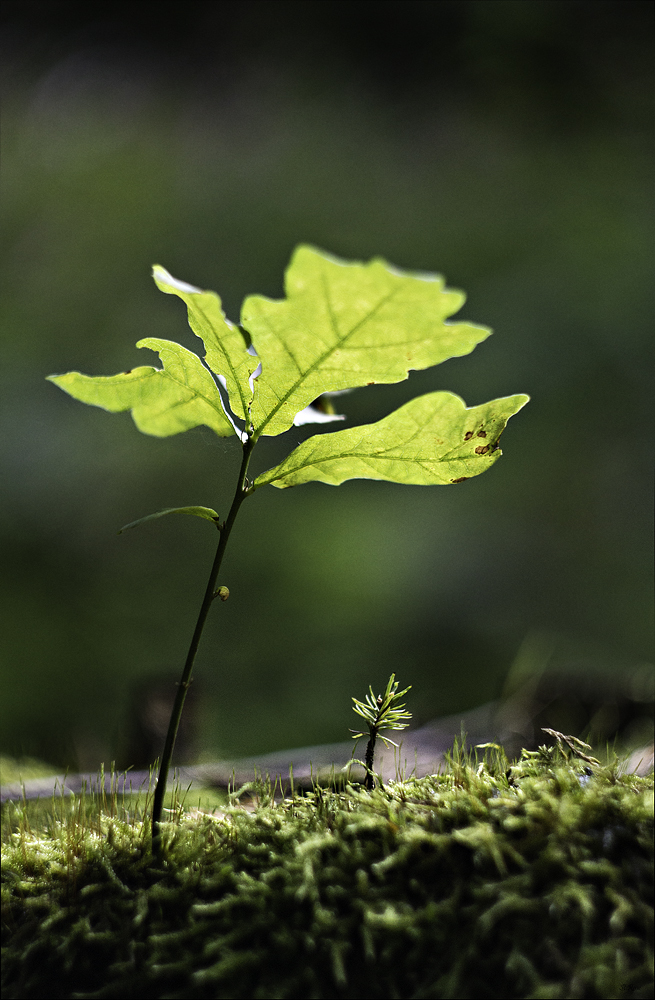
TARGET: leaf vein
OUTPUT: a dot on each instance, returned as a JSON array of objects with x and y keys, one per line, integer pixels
[{"x": 330, "y": 350}]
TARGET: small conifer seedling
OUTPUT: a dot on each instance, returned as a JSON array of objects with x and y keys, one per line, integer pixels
[
  {"x": 383, "y": 712},
  {"x": 340, "y": 326}
]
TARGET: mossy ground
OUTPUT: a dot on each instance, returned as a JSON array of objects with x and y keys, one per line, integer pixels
[{"x": 479, "y": 882}]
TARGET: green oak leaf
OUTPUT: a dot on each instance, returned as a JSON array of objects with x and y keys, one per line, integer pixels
[
  {"x": 205, "y": 512},
  {"x": 432, "y": 440},
  {"x": 226, "y": 348},
  {"x": 163, "y": 401},
  {"x": 344, "y": 325}
]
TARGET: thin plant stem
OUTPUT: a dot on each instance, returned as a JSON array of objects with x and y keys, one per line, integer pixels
[
  {"x": 369, "y": 760},
  {"x": 210, "y": 593}
]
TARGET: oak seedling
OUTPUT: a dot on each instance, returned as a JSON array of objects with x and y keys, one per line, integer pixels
[{"x": 340, "y": 326}]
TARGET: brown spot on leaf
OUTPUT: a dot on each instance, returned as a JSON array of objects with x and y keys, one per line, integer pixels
[
  {"x": 462, "y": 479},
  {"x": 482, "y": 434},
  {"x": 482, "y": 450},
  {"x": 468, "y": 435},
  {"x": 370, "y": 383}
]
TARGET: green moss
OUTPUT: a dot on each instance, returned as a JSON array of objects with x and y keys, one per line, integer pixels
[{"x": 534, "y": 881}]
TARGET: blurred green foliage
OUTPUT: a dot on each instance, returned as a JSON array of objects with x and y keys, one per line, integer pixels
[{"x": 507, "y": 145}]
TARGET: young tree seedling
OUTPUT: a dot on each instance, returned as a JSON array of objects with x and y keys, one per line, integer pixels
[
  {"x": 383, "y": 712},
  {"x": 341, "y": 325}
]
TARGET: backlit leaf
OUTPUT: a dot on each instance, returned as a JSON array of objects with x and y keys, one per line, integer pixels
[
  {"x": 163, "y": 401},
  {"x": 205, "y": 512},
  {"x": 226, "y": 348},
  {"x": 343, "y": 325},
  {"x": 432, "y": 440}
]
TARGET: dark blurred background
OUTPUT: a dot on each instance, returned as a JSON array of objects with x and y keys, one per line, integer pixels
[{"x": 507, "y": 145}]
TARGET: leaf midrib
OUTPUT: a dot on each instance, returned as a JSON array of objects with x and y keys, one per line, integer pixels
[
  {"x": 379, "y": 456},
  {"x": 195, "y": 394},
  {"x": 319, "y": 361}
]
